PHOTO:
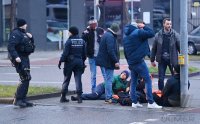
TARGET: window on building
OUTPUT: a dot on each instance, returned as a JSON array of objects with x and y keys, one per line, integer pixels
[{"x": 57, "y": 20}]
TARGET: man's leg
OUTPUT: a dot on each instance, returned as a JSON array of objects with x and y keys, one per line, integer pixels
[
  {"x": 108, "y": 83},
  {"x": 77, "y": 77},
  {"x": 134, "y": 79},
  {"x": 93, "y": 73},
  {"x": 144, "y": 73},
  {"x": 103, "y": 73},
  {"x": 67, "y": 76},
  {"x": 22, "y": 89},
  {"x": 161, "y": 74}
]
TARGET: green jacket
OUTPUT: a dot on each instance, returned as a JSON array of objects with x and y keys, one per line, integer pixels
[{"x": 118, "y": 84}]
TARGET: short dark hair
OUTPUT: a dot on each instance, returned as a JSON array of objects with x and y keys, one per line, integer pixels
[{"x": 166, "y": 19}]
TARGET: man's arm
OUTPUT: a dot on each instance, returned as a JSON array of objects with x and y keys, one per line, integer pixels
[
  {"x": 65, "y": 51},
  {"x": 146, "y": 33},
  {"x": 177, "y": 36},
  {"x": 111, "y": 44},
  {"x": 154, "y": 49},
  {"x": 14, "y": 40}
]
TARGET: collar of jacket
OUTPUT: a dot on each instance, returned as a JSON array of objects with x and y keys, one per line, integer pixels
[
  {"x": 111, "y": 31},
  {"x": 73, "y": 37},
  {"x": 20, "y": 29}
]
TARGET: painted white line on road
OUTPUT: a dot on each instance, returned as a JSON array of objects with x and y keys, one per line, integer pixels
[
  {"x": 10, "y": 73},
  {"x": 138, "y": 123},
  {"x": 37, "y": 82}
]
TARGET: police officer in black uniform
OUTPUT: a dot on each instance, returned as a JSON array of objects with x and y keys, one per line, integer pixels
[
  {"x": 21, "y": 45},
  {"x": 73, "y": 56}
]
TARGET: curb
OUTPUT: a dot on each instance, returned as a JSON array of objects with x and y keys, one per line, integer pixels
[
  {"x": 36, "y": 97},
  {"x": 168, "y": 76}
]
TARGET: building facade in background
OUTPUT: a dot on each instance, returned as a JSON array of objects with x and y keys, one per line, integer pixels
[{"x": 49, "y": 19}]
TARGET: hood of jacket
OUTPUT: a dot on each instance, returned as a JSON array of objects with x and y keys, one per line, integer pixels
[{"x": 128, "y": 29}]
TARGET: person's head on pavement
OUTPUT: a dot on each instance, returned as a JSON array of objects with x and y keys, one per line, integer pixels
[
  {"x": 124, "y": 75},
  {"x": 93, "y": 23},
  {"x": 73, "y": 31}
]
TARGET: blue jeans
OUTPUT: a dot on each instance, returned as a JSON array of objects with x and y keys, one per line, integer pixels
[
  {"x": 161, "y": 73},
  {"x": 108, "y": 83},
  {"x": 141, "y": 70},
  {"x": 93, "y": 71},
  {"x": 98, "y": 94}
]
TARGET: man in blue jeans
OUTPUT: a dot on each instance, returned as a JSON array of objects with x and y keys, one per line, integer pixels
[
  {"x": 108, "y": 58},
  {"x": 119, "y": 84},
  {"x": 136, "y": 47},
  {"x": 92, "y": 36}
]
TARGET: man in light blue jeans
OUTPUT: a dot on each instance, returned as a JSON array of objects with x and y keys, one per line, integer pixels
[
  {"x": 92, "y": 36},
  {"x": 108, "y": 83},
  {"x": 93, "y": 70},
  {"x": 108, "y": 58}
]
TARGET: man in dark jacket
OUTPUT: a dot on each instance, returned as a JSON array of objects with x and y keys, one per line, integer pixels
[
  {"x": 92, "y": 36},
  {"x": 108, "y": 58},
  {"x": 171, "y": 92},
  {"x": 165, "y": 50},
  {"x": 135, "y": 49},
  {"x": 21, "y": 45},
  {"x": 73, "y": 56}
]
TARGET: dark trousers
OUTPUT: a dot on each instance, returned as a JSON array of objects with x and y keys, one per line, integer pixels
[
  {"x": 23, "y": 69},
  {"x": 161, "y": 73},
  {"x": 75, "y": 66},
  {"x": 99, "y": 93}
]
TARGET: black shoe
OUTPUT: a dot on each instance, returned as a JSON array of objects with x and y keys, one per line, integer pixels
[
  {"x": 29, "y": 104},
  {"x": 63, "y": 99},
  {"x": 108, "y": 101},
  {"x": 79, "y": 99},
  {"x": 19, "y": 103},
  {"x": 73, "y": 98}
]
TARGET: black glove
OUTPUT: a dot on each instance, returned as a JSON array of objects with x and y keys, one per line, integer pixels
[{"x": 59, "y": 64}]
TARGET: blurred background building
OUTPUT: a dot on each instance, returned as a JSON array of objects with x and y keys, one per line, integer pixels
[{"x": 49, "y": 20}]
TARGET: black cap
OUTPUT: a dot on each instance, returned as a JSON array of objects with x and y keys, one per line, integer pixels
[
  {"x": 73, "y": 30},
  {"x": 21, "y": 22}
]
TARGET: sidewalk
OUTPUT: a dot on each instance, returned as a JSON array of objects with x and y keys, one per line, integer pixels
[{"x": 51, "y": 58}]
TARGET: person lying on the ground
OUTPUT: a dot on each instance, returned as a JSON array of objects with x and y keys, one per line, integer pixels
[
  {"x": 124, "y": 97},
  {"x": 119, "y": 84},
  {"x": 170, "y": 96}
]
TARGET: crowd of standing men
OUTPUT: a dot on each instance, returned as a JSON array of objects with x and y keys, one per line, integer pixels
[{"x": 101, "y": 48}]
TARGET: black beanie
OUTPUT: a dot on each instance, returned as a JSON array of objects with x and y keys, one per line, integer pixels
[
  {"x": 21, "y": 22},
  {"x": 73, "y": 30}
]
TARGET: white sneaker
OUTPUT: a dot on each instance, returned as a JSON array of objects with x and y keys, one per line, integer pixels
[
  {"x": 137, "y": 105},
  {"x": 153, "y": 105}
]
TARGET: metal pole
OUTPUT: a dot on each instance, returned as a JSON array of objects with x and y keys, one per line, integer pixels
[
  {"x": 132, "y": 12},
  {"x": 184, "y": 52},
  {"x": 95, "y": 9},
  {"x": 1, "y": 23}
]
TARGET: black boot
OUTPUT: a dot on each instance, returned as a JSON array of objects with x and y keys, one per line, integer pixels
[
  {"x": 28, "y": 104},
  {"x": 74, "y": 98},
  {"x": 19, "y": 103},
  {"x": 63, "y": 98},
  {"x": 79, "y": 99}
]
